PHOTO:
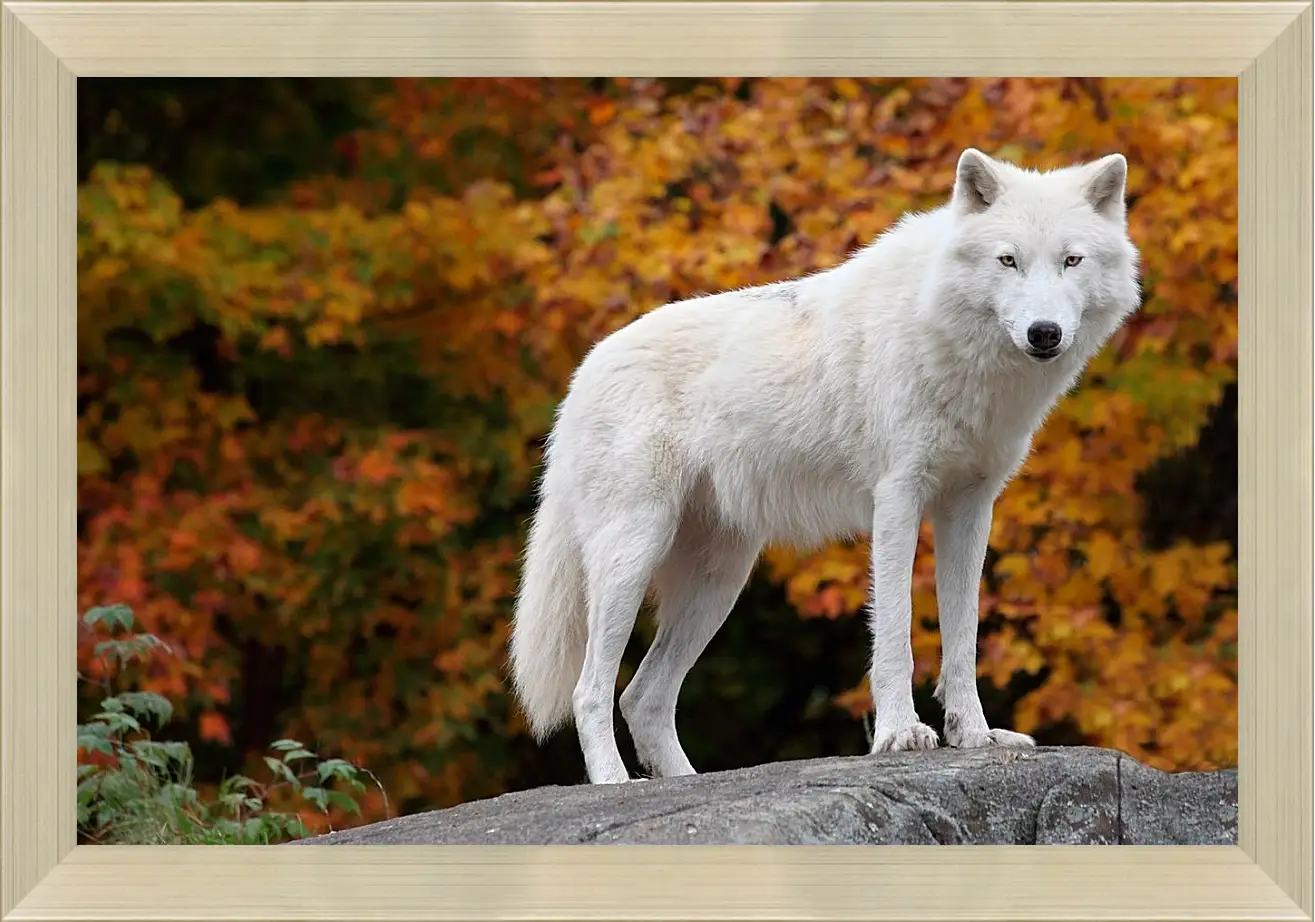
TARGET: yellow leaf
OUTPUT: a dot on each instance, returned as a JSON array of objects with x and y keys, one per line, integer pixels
[
  {"x": 1165, "y": 573},
  {"x": 847, "y": 88},
  {"x": 1101, "y": 552},
  {"x": 91, "y": 460}
]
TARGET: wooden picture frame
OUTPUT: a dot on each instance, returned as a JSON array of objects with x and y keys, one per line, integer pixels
[{"x": 48, "y": 46}]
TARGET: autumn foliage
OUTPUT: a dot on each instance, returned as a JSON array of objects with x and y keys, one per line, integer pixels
[{"x": 309, "y": 427}]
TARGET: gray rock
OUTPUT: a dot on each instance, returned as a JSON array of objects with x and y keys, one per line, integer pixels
[{"x": 1048, "y": 796}]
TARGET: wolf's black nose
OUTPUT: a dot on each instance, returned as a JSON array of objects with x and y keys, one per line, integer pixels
[{"x": 1044, "y": 335}]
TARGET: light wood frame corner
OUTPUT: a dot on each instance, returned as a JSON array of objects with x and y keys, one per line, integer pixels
[{"x": 47, "y": 46}]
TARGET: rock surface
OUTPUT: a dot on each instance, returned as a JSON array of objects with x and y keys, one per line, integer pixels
[{"x": 1048, "y": 796}]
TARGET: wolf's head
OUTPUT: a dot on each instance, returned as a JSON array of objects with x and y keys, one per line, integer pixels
[{"x": 1045, "y": 255}]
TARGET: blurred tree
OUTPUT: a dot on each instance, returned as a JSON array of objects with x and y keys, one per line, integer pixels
[
  {"x": 240, "y": 138},
  {"x": 309, "y": 423}
]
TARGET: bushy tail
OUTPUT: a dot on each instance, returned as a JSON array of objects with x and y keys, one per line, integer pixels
[{"x": 550, "y": 625}]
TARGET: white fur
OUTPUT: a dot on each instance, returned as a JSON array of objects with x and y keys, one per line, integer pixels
[{"x": 852, "y": 401}]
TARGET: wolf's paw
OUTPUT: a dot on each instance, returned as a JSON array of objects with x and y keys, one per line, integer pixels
[
  {"x": 609, "y": 774},
  {"x": 960, "y": 738},
  {"x": 896, "y": 739},
  {"x": 612, "y": 779}
]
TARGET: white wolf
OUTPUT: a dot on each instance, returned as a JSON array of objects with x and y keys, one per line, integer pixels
[{"x": 907, "y": 380}]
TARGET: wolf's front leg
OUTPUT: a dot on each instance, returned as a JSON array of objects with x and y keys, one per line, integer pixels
[
  {"x": 961, "y": 523},
  {"x": 897, "y": 515}
]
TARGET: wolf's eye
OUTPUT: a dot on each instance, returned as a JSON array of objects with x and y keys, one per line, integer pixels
[
  {"x": 1071, "y": 261},
  {"x": 1007, "y": 261}
]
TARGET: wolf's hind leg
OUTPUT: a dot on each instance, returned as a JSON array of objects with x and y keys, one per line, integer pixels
[
  {"x": 697, "y": 586},
  {"x": 620, "y": 560}
]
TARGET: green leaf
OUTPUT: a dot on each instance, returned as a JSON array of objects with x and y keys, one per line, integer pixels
[
  {"x": 335, "y": 768},
  {"x": 344, "y": 802},
  {"x": 317, "y": 796},
  {"x": 236, "y": 784},
  {"x": 282, "y": 771},
  {"x": 148, "y": 704},
  {"x": 256, "y": 831},
  {"x": 165, "y": 755},
  {"x": 231, "y": 802},
  {"x": 94, "y": 736},
  {"x": 111, "y": 616},
  {"x": 137, "y": 646},
  {"x": 119, "y": 723}
]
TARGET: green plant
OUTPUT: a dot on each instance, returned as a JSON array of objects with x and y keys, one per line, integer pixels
[{"x": 136, "y": 790}]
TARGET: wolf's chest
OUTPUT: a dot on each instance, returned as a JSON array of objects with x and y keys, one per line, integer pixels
[{"x": 976, "y": 431}]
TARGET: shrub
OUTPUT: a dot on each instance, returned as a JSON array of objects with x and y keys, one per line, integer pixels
[{"x": 135, "y": 790}]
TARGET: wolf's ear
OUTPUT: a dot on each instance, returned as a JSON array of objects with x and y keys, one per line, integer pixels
[
  {"x": 977, "y": 183},
  {"x": 1104, "y": 186}
]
